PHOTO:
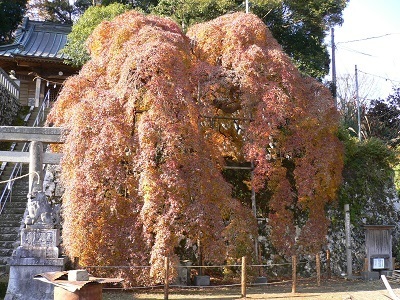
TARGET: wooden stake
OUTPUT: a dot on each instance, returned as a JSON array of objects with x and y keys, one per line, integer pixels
[
  {"x": 318, "y": 266},
  {"x": 76, "y": 263},
  {"x": 328, "y": 263},
  {"x": 244, "y": 275},
  {"x": 294, "y": 273},
  {"x": 166, "y": 281}
]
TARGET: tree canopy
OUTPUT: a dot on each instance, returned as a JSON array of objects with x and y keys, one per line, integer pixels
[
  {"x": 76, "y": 48},
  {"x": 383, "y": 119},
  {"x": 11, "y": 14},
  {"x": 59, "y": 11},
  {"x": 151, "y": 119},
  {"x": 299, "y": 26}
]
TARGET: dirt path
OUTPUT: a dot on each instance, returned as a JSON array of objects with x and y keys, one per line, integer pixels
[{"x": 338, "y": 289}]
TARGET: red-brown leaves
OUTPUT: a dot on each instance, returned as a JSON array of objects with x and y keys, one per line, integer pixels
[
  {"x": 135, "y": 157},
  {"x": 142, "y": 164},
  {"x": 293, "y": 121}
]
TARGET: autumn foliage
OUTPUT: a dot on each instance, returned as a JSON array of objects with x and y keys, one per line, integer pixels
[{"x": 151, "y": 118}]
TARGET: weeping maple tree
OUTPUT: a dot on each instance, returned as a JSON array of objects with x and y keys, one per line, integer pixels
[
  {"x": 143, "y": 156},
  {"x": 284, "y": 123}
]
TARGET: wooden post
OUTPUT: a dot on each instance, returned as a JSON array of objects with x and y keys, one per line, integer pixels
[
  {"x": 318, "y": 266},
  {"x": 328, "y": 263},
  {"x": 200, "y": 257},
  {"x": 76, "y": 263},
  {"x": 244, "y": 279},
  {"x": 166, "y": 276},
  {"x": 294, "y": 273},
  {"x": 38, "y": 91}
]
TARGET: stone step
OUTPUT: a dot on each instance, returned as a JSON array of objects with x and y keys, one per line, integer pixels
[
  {"x": 7, "y": 244},
  {"x": 9, "y": 223},
  {"x": 10, "y": 217},
  {"x": 4, "y": 259},
  {"x": 7, "y": 230},
  {"x": 5, "y": 252},
  {"x": 10, "y": 237},
  {"x": 19, "y": 192},
  {"x": 19, "y": 205},
  {"x": 15, "y": 207}
]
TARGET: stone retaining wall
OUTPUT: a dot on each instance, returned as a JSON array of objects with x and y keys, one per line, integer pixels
[{"x": 9, "y": 107}]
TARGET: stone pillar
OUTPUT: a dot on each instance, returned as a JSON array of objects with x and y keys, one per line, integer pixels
[
  {"x": 349, "y": 261},
  {"x": 35, "y": 167}
]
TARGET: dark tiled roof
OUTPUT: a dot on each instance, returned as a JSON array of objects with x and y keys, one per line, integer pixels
[{"x": 36, "y": 39}]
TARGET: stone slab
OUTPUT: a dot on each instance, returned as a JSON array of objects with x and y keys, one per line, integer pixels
[
  {"x": 23, "y": 157},
  {"x": 202, "y": 280},
  {"x": 27, "y": 134},
  {"x": 38, "y": 243},
  {"x": 260, "y": 280},
  {"x": 78, "y": 275},
  {"x": 29, "y": 252},
  {"x": 373, "y": 275},
  {"x": 40, "y": 237},
  {"x": 387, "y": 273}
]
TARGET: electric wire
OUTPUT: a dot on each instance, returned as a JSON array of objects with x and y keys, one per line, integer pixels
[
  {"x": 382, "y": 77},
  {"x": 355, "y": 51},
  {"x": 368, "y": 38}
]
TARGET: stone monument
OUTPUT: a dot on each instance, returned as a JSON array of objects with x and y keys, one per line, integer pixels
[{"x": 38, "y": 252}]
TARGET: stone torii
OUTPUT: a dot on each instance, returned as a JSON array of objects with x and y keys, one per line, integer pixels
[
  {"x": 38, "y": 252},
  {"x": 35, "y": 157}
]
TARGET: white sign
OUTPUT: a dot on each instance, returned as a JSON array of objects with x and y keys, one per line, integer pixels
[{"x": 378, "y": 263}]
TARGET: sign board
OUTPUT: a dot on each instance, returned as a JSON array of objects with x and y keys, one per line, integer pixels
[{"x": 378, "y": 263}]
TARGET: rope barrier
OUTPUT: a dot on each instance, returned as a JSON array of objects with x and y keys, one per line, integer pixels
[
  {"x": 191, "y": 266},
  {"x": 198, "y": 286},
  {"x": 22, "y": 176}
]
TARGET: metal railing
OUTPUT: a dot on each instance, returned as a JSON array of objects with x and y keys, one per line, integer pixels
[
  {"x": 17, "y": 170},
  {"x": 9, "y": 84}
]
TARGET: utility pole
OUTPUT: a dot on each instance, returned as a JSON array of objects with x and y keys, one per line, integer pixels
[
  {"x": 358, "y": 106},
  {"x": 247, "y": 6},
  {"x": 334, "y": 88}
]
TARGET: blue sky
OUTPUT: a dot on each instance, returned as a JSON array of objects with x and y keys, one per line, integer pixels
[{"x": 377, "y": 59}]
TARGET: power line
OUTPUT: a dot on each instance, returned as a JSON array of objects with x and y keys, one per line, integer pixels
[
  {"x": 368, "y": 38},
  {"x": 356, "y": 51},
  {"x": 382, "y": 77}
]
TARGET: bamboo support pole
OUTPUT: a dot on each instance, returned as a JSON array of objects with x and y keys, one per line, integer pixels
[
  {"x": 318, "y": 267},
  {"x": 244, "y": 279},
  {"x": 166, "y": 276},
  {"x": 328, "y": 263},
  {"x": 294, "y": 273}
]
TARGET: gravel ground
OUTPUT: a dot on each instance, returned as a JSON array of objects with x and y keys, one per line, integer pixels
[{"x": 334, "y": 289}]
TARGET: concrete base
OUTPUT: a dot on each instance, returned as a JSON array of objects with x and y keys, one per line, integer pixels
[
  {"x": 201, "y": 280},
  {"x": 22, "y": 286},
  {"x": 386, "y": 273},
  {"x": 260, "y": 280},
  {"x": 370, "y": 275}
]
